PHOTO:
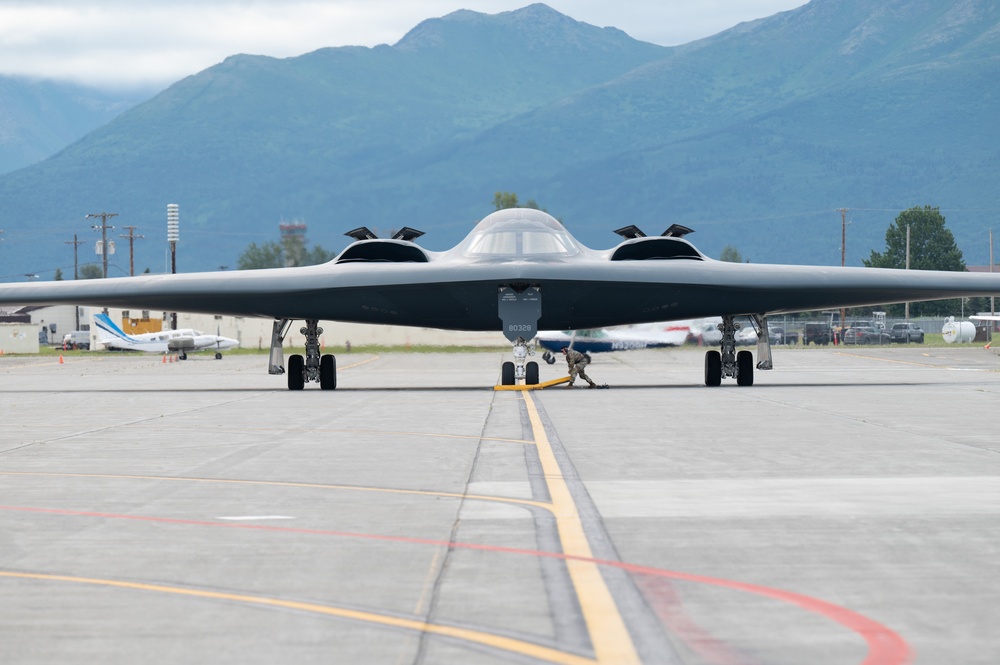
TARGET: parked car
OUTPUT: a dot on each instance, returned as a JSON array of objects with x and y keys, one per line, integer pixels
[
  {"x": 906, "y": 332},
  {"x": 817, "y": 333},
  {"x": 746, "y": 335},
  {"x": 865, "y": 335},
  {"x": 782, "y": 336}
]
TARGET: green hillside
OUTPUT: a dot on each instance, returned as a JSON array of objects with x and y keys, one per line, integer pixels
[{"x": 753, "y": 137}]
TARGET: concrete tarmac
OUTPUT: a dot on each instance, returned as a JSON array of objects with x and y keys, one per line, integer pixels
[{"x": 843, "y": 510}]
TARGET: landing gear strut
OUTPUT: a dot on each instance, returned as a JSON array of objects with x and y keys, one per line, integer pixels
[
  {"x": 313, "y": 366},
  {"x": 728, "y": 364},
  {"x": 512, "y": 372}
]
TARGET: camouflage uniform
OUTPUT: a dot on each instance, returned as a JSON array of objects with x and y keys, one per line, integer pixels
[{"x": 577, "y": 363}]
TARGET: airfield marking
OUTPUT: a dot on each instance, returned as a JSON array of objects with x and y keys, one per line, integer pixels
[
  {"x": 500, "y": 642},
  {"x": 427, "y": 586},
  {"x": 279, "y": 483},
  {"x": 899, "y": 362},
  {"x": 608, "y": 634},
  {"x": 230, "y": 430},
  {"x": 885, "y": 646},
  {"x": 472, "y": 437},
  {"x": 360, "y": 362}
]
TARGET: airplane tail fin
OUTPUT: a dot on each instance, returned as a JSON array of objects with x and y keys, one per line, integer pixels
[{"x": 107, "y": 331}]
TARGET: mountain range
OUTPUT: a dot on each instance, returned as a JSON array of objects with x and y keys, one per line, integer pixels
[
  {"x": 754, "y": 137},
  {"x": 39, "y": 117}
]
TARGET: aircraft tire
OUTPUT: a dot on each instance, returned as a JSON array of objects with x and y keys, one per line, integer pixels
[
  {"x": 744, "y": 368},
  {"x": 549, "y": 358},
  {"x": 296, "y": 372},
  {"x": 218, "y": 356},
  {"x": 713, "y": 368},
  {"x": 531, "y": 374},
  {"x": 328, "y": 372},
  {"x": 507, "y": 374}
]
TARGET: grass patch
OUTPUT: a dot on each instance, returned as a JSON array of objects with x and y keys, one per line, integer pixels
[
  {"x": 931, "y": 340},
  {"x": 49, "y": 351}
]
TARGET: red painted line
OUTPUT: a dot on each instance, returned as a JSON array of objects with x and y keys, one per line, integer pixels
[
  {"x": 662, "y": 596},
  {"x": 885, "y": 646}
]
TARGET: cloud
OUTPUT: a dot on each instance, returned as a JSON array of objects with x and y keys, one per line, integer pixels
[{"x": 151, "y": 42}]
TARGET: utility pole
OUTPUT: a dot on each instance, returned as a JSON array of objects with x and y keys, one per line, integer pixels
[
  {"x": 76, "y": 263},
  {"x": 104, "y": 235},
  {"x": 907, "y": 315},
  {"x": 131, "y": 248},
  {"x": 76, "y": 272},
  {"x": 843, "y": 255}
]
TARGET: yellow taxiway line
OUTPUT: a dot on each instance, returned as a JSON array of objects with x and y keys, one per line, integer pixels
[
  {"x": 501, "y": 642},
  {"x": 608, "y": 634}
]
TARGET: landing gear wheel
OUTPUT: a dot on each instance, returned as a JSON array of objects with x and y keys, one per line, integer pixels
[
  {"x": 549, "y": 358},
  {"x": 218, "y": 356},
  {"x": 296, "y": 372},
  {"x": 744, "y": 368},
  {"x": 713, "y": 368},
  {"x": 328, "y": 372},
  {"x": 182, "y": 356},
  {"x": 531, "y": 374},
  {"x": 507, "y": 374}
]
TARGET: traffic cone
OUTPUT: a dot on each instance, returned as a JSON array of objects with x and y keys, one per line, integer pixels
[
  {"x": 60, "y": 359},
  {"x": 987, "y": 345},
  {"x": 164, "y": 360}
]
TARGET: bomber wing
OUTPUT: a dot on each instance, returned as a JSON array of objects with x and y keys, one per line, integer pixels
[{"x": 517, "y": 272}]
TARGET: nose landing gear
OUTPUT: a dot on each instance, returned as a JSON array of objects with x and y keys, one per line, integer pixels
[{"x": 520, "y": 369}]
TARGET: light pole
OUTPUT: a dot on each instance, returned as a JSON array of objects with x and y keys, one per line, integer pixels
[{"x": 173, "y": 235}]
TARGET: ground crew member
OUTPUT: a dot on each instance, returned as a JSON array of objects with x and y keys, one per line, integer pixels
[{"x": 577, "y": 363}]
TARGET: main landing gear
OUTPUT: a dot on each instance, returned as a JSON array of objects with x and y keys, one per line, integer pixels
[
  {"x": 301, "y": 370},
  {"x": 520, "y": 369},
  {"x": 728, "y": 364}
]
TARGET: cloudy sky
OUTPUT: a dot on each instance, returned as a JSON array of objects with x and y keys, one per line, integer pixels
[{"x": 156, "y": 42}]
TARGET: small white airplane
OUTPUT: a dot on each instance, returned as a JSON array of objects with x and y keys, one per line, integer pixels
[
  {"x": 181, "y": 341},
  {"x": 626, "y": 338}
]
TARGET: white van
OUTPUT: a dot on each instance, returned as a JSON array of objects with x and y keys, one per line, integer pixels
[{"x": 78, "y": 339}]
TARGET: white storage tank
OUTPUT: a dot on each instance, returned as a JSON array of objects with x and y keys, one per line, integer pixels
[{"x": 961, "y": 332}]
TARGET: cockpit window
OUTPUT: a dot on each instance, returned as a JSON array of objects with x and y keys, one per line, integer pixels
[{"x": 520, "y": 233}]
